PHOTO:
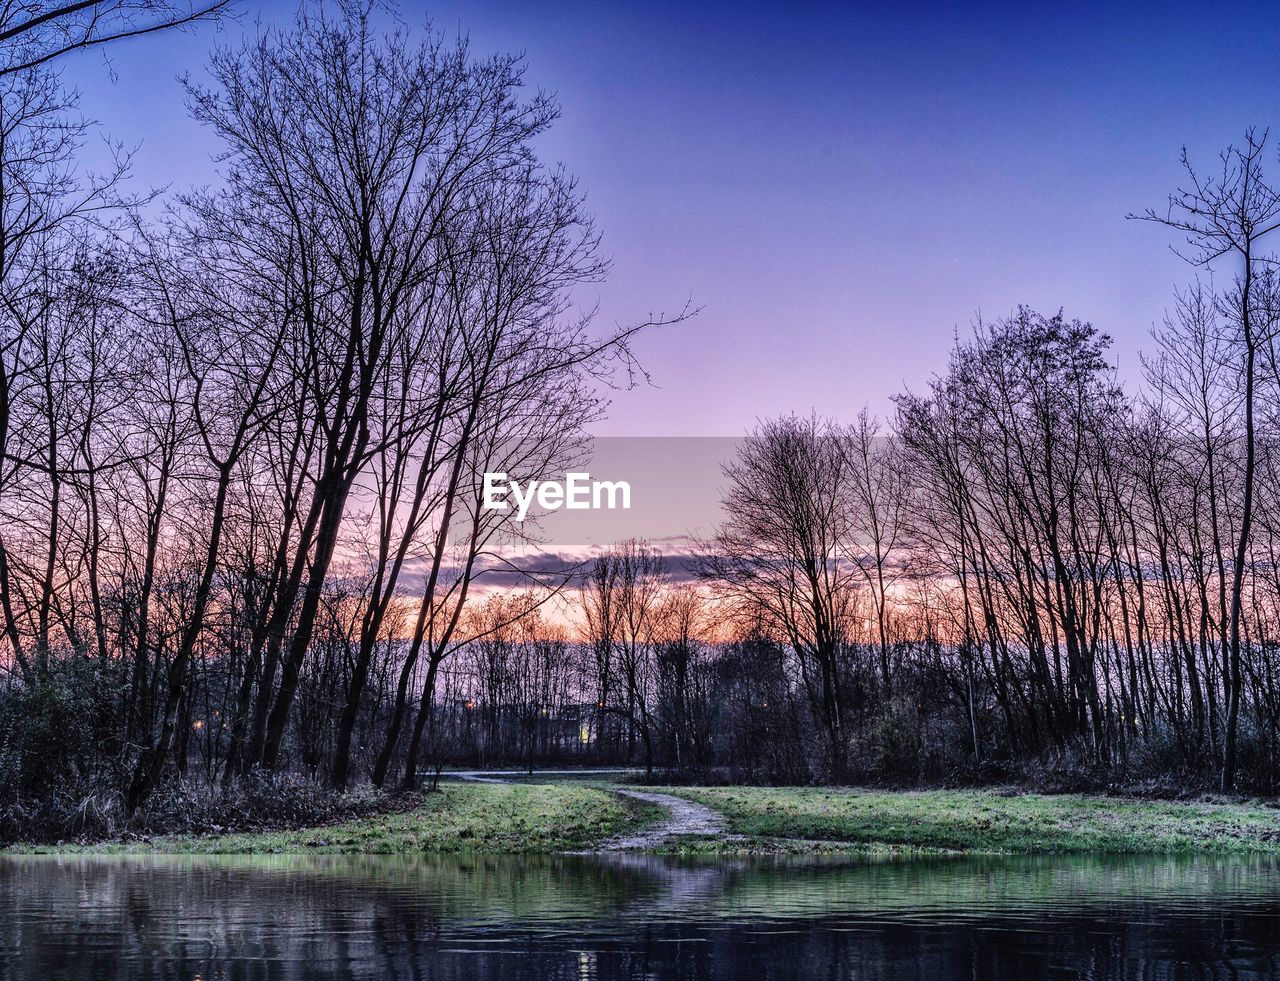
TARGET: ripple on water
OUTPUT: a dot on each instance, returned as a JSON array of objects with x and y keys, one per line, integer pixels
[{"x": 625, "y": 916}]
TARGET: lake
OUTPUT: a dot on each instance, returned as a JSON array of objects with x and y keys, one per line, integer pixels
[{"x": 634, "y": 916}]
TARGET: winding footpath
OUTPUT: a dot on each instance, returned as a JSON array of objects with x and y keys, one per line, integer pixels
[{"x": 685, "y": 818}]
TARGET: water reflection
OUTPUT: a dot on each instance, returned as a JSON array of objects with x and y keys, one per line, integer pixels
[{"x": 628, "y": 916}]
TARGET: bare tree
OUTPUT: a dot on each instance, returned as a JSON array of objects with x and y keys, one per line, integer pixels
[
  {"x": 1233, "y": 214},
  {"x": 230, "y": 349},
  {"x": 879, "y": 497},
  {"x": 785, "y": 549},
  {"x": 34, "y": 34},
  {"x": 623, "y": 604}
]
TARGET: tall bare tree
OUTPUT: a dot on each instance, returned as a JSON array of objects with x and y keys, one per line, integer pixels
[{"x": 1231, "y": 215}]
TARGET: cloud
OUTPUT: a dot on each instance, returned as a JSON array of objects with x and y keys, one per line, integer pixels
[{"x": 546, "y": 567}]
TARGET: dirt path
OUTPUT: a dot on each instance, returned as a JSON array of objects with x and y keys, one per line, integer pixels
[{"x": 684, "y": 817}]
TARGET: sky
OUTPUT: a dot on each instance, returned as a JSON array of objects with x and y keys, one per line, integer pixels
[{"x": 839, "y": 188}]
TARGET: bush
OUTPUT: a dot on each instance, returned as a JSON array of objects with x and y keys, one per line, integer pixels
[
  {"x": 57, "y": 770},
  {"x": 62, "y": 779},
  {"x": 260, "y": 801},
  {"x": 50, "y": 731}
]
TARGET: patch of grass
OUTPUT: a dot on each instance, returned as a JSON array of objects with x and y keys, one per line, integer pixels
[
  {"x": 461, "y": 817},
  {"x": 544, "y": 817},
  {"x": 779, "y": 818}
]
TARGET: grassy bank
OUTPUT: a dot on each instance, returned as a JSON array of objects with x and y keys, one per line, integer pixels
[
  {"x": 461, "y": 817},
  {"x": 790, "y": 819},
  {"x": 534, "y": 817}
]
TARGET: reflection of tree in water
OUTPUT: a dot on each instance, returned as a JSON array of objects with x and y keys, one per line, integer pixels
[
  {"x": 624, "y": 916},
  {"x": 322, "y": 909}
]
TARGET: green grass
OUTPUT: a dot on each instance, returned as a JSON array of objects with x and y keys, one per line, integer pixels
[
  {"x": 546, "y": 817},
  {"x": 461, "y": 817},
  {"x": 790, "y": 819}
]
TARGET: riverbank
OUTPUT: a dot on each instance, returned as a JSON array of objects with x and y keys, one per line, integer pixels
[
  {"x": 532, "y": 816},
  {"x": 815, "y": 819},
  {"x": 495, "y": 818}
]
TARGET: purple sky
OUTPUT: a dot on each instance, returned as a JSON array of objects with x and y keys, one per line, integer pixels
[{"x": 839, "y": 187}]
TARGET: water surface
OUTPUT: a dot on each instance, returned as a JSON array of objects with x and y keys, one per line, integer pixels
[{"x": 630, "y": 916}]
